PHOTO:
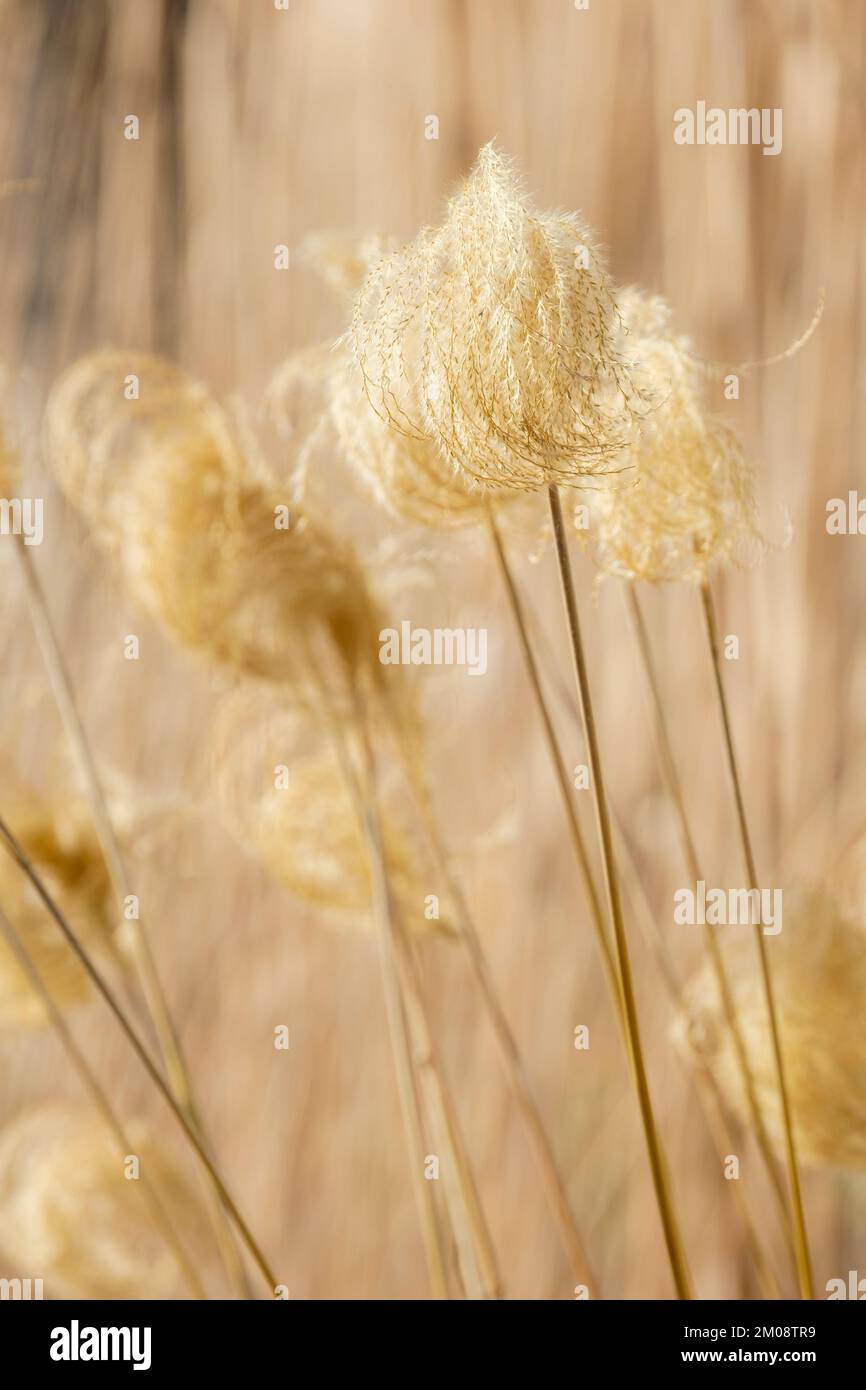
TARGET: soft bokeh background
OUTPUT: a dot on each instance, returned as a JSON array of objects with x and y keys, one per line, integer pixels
[{"x": 258, "y": 127}]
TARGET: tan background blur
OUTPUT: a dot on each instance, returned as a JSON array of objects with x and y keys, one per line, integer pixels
[{"x": 258, "y": 127}]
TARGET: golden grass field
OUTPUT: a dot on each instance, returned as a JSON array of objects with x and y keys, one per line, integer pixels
[{"x": 259, "y": 128}]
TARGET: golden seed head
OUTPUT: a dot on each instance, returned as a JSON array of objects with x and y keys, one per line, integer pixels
[
  {"x": 71, "y": 1214},
  {"x": 62, "y": 846},
  {"x": 95, "y": 427},
  {"x": 495, "y": 336},
  {"x": 213, "y": 554},
  {"x": 686, "y": 499},
  {"x": 818, "y": 969},
  {"x": 405, "y": 473},
  {"x": 284, "y": 795},
  {"x": 317, "y": 399}
]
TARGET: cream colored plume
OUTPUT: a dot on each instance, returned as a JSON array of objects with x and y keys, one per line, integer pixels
[
  {"x": 686, "y": 496},
  {"x": 494, "y": 336},
  {"x": 405, "y": 473},
  {"x": 216, "y": 557}
]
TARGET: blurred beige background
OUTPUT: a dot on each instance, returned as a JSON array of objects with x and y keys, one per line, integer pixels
[{"x": 258, "y": 127}]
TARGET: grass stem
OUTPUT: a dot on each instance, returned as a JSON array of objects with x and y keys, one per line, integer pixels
[
  {"x": 676, "y": 1254},
  {"x": 150, "y": 1196},
  {"x": 673, "y": 787},
  {"x": 801, "y": 1243},
  {"x": 108, "y": 996},
  {"x": 145, "y": 966},
  {"x": 507, "y": 1048}
]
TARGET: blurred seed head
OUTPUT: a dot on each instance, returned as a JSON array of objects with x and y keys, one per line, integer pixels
[
  {"x": 167, "y": 492},
  {"x": 818, "y": 967},
  {"x": 71, "y": 1215},
  {"x": 60, "y": 842},
  {"x": 305, "y": 830},
  {"x": 344, "y": 259},
  {"x": 94, "y": 435},
  {"x": 495, "y": 337},
  {"x": 686, "y": 499}
]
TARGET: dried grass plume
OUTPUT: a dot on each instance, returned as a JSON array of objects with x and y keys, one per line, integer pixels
[
  {"x": 686, "y": 499},
  {"x": 495, "y": 337},
  {"x": 283, "y": 794},
  {"x": 214, "y": 555}
]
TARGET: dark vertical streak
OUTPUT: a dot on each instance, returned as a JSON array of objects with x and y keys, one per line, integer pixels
[
  {"x": 169, "y": 210},
  {"x": 59, "y": 143}
]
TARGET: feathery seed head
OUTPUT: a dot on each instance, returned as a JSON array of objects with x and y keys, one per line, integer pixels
[
  {"x": 207, "y": 549},
  {"x": 495, "y": 336},
  {"x": 687, "y": 500},
  {"x": 302, "y": 824},
  {"x": 406, "y": 473}
]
